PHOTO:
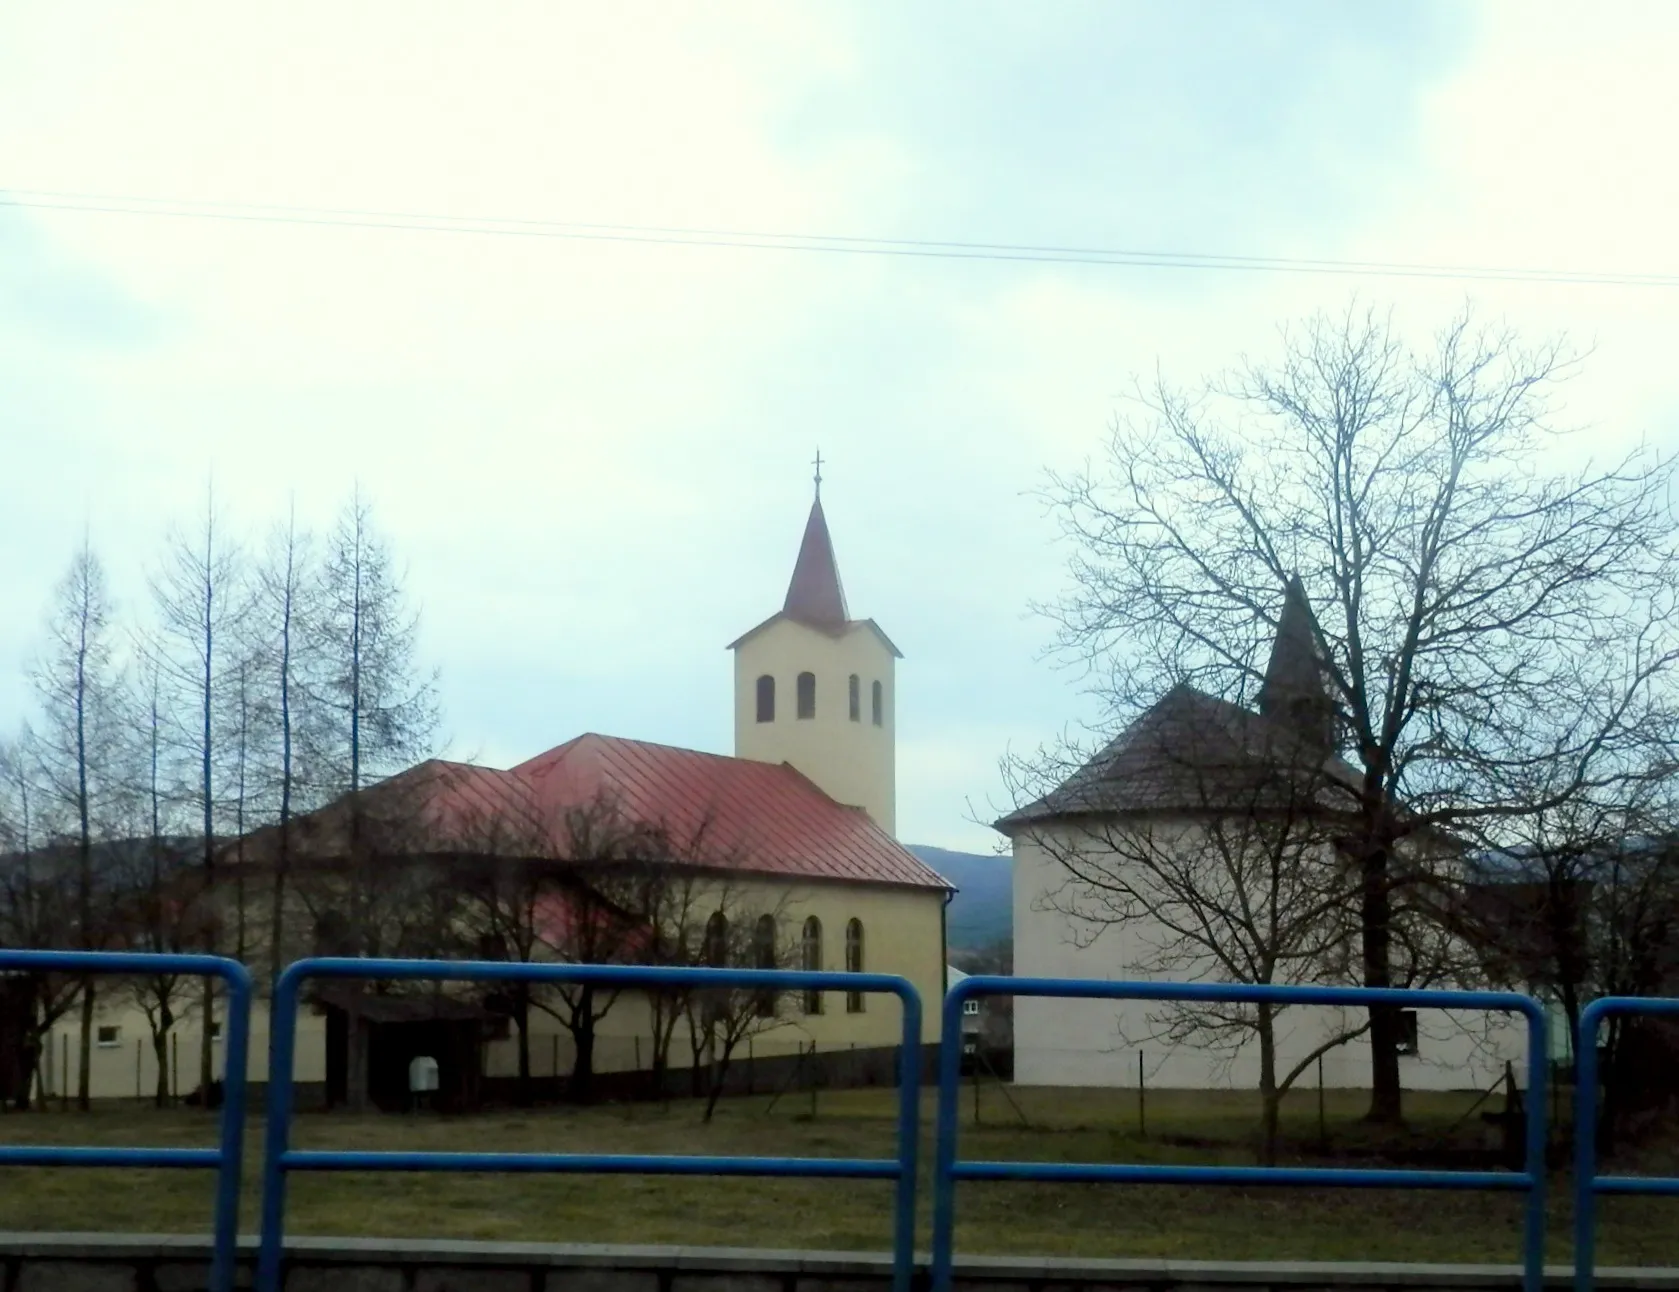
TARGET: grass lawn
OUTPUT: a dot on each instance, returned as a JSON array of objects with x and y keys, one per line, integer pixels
[{"x": 1063, "y": 1125}]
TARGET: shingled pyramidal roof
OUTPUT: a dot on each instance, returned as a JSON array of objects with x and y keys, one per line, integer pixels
[{"x": 1194, "y": 752}]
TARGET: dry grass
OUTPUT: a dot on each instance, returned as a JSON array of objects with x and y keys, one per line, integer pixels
[{"x": 1090, "y": 1220}]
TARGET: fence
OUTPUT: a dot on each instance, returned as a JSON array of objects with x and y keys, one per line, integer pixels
[
  {"x": 947, "y": 1169},
  {"x": 279, "y": 1158},
  {"x": 225, "y": 1159},
  {"x": 1588, "y": 1184}
]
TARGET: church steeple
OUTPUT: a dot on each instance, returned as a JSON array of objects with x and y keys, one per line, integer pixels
[
  {"x": 815, "y": 688},
  {"x": 1295, "y": 688},
  {"x": 815, "y": 595}
]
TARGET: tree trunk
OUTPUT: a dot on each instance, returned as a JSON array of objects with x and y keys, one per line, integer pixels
[
  {"x": 84, "y": 1099},
  {"x": 277, "y": 913},
  {"x": 719, "y": 1075},
  {"x": 1376, "y": 913},
  {"x": 522, "y": 1020},
  {"x": 160, "y": 1047},
  {"x": 206, "y": 1042},
  {"x": 355, "y": 1062},
  {"x": 583, "y": 1033}
]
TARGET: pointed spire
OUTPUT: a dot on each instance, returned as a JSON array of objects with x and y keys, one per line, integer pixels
[
  {"x": 1295, "y": 688},
  {"x": 815, "y": 595}
]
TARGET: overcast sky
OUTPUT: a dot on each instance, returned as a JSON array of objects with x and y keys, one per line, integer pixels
[{"x": 594, "y": 456}]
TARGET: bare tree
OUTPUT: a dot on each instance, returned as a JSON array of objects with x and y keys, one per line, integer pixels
[
  {"x": 78, "y": 746},
  {"x": 1242, "y": 881},
  {"x": 1583, "y": 905},
  {"x": 284, "y": 644},
  {"x": 567, "y": 890},
  {"x": 164, "y": 908},
  {"x": 38, "y": 893},
  {"x": 745, "y": 930},
  {"x": 199, "y": 599},
  {"x": 378, "y": 711},
  {"x": 1482, "y": 611}
]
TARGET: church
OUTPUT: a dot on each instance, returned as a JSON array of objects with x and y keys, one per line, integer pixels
[
  {"x": 788, "y": 844},
  {"x": 1184, "y": 851}
]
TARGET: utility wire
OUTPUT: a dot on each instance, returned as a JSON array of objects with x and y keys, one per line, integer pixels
[{"x": 757, "y": 240}]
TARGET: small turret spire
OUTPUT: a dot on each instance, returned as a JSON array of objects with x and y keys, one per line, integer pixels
[{"x": 1295, "y": 689}]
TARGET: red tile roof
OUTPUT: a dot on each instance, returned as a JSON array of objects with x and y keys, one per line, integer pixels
[{"x": 729, "y": 812}]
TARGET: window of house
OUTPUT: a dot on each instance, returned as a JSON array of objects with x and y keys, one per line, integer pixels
[
  {"x": 854, "y": 963},
  {"x": 877, "y": 697},
  {"x": 763, "y": 957},
  {"x": 811, "y": 961},
  {"x": 970, "y": 1008},
  {"x": 1408, "y": 1032},
  {"x": 717, "y": 941},
  {"x": 807, "y": 695},
  {"x": 854, "y": 697},
  {"x": 766, "y": 698},
  {"x": 108, "y": 1037},
  {"x": 215, "y": 1030}
]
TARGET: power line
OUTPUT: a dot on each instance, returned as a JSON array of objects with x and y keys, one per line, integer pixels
[{"x": 758, "y": 240}]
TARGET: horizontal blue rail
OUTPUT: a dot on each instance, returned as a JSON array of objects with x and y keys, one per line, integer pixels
[
  {"x": 280, "y": 1158},
  {"x": 1588, "y": 1184},
  {"x": 947, "y": 1169},
  {"x": 838, "y": 1168},
  {"x": 224, "y": 1159}
]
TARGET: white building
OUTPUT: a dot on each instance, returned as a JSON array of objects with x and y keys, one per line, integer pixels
[{"x": 1166, "y": 855}]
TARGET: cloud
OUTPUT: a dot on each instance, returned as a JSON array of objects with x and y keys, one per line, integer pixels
[{"x": 592, "y": 455}]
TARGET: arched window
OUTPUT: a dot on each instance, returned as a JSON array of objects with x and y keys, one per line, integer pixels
[
  {"x": 807, "y": 695},
  {"x": 810, "y": 959},
  {"x": 854, "y": 959},
  {"x": 766, "y": 698},
  {"x": 855, "y": 696},
  {"x": 878, "y": 696},
  {"x": 717, "y": 941},
  {"x": 763, "y": 957}
]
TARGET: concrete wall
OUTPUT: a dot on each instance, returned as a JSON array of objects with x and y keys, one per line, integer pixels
[
  {"x": 853, "y": 762},
  {"x": 1096, "y": 1043},
  {"x": 82, "y": 1263}
]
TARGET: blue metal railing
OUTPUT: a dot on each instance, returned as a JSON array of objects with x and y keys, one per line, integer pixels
[
  {"x": 224, "y": 1159},
  {"x": 1588, "y": 1184},
  {"x": 279, "y": 1157},
  {"x": 947, "y": 1169}
]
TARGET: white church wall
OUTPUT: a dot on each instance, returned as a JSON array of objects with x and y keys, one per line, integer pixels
[{"x": 1061, "y": 1042}]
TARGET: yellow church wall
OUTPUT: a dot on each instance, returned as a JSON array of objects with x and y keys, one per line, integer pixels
[
  {"x": 127, "y": 1063},
  {"x": 853, "y": 761},
  {"x": 902, "y": 934}
]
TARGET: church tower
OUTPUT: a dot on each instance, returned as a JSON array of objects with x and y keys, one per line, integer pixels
[{"x": 814, "y": 687}]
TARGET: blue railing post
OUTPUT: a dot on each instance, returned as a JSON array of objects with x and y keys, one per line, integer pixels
[
  {"x": 947, "y": 1169},
  {"x": 226, "y": 1159},
  {"x": 1588, "y": 1184},
  {"x": 280, "y": 1158}
]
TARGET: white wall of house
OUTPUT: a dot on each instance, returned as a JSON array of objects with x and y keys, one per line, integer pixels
[{"x": 1061, "y": 1042}]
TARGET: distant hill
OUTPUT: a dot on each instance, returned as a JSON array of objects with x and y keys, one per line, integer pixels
[{"x": 982, "y": 912}]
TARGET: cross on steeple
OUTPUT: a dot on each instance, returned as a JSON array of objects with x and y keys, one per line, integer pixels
[{"x": 818, "y": 465}]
